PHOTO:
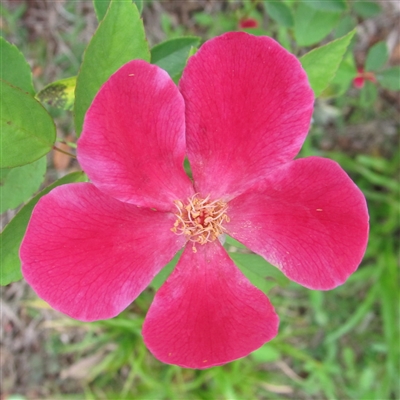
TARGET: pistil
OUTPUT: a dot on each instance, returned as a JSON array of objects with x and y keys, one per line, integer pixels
[{"x": 200, "y": 220}]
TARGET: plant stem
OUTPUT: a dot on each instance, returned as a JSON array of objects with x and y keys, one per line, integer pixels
[
  {"x": 70, "y": 144},
  {"x": 64, "y": 152}
]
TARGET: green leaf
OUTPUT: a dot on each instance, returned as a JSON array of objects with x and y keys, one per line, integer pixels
[
  {"x": 101, "y": 7},
  {"x": 284, "y": 38},
  {"x": 322, "y": 63},
  {"x": 254, "y": 267},
  {"x": 19, "y": 184},
  {"x": 233, "y": 242},
  {"x": 266, "y": 354},
  {"x": 343, "y": 78},
  {"x": 327, "y": 5},
  {"x": 390, "y": 78},
  {"x": 257, "y": 265},
  {"x": 118, "y": 39},
  {"x": 279, "y": 12},
  {"x": 256, "y": 31},
  {"x": 377, "y": 57},
  {"x": 311, "y": 26},
  {"x": 366, "y": 9},
  {"x": 162, "y": 276},
  {"x": 258, "y": 281},
  {"x": 172, "y": 55},
  {"x": 139, "y": 5},
  {"x": 345, "y": 25},
  {"x": 11, "y": 237},
  {"x": 193, "y": 50},
  {"x": 368, "y": 95},
  {"x": 27, "y": 132},
  {"x": 13, "y": 67},
  {"x": 4, "y": 172},
  {"x": 59, "y": 94},
  {"x": 203, "y": 19}
]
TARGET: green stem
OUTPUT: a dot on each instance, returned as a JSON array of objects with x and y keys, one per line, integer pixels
[
  {"x": 70, "y": 144},
  {"x": 64, "y": 152}
]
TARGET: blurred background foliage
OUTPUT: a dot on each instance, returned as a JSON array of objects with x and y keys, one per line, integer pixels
[{"x": 341, "y": 344}]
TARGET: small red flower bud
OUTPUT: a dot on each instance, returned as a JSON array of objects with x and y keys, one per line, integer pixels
[
  {"x": 361, "y": 77},
  {"x": 248, "y": 23}
]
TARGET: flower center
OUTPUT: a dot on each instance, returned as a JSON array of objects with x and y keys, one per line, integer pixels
[{"x": 200, "y": 220}]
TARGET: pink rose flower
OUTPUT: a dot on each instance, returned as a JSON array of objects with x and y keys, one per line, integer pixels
[{"x": 240, "y": 115}]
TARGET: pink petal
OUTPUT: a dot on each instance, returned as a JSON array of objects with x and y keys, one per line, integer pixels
[
  {"x": 89, "y": 255},
  {"x": 207, "y": 313},
  {"x": 358, "y": 82},
  {"x": 248, "y": 109},
  {"x": 133, "y": 141},
  {"x": 308, "y": 218}
]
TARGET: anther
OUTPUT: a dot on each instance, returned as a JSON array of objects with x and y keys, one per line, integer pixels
[{"x": 199, "y": 220}]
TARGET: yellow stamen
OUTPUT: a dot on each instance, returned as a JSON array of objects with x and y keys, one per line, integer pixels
[{"x": 199, "y": 220}]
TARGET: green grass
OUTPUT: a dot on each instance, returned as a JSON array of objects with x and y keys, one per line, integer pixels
[{"x": 341, "y": 344}]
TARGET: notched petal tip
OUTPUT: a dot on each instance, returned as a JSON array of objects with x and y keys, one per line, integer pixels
[
  {"x": 248, "y": 110},
  {"x": 133, "y": 142},
  {"x": 89, "y": 255},
  {"x": 308, "y": 218},
  {"x": 207, "y": 313}
]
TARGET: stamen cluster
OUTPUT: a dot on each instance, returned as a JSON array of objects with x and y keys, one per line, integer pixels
[{"x": 200, "y": 220}]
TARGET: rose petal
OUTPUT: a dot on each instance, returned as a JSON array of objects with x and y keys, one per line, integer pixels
[
  {"x": 133, "y": 141},
  {"x": 89, "y": 255},
  {"x": 308, "y": 218},
  {"x": 248, "y": 109},
  {"x": 207, "y": 313}
]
